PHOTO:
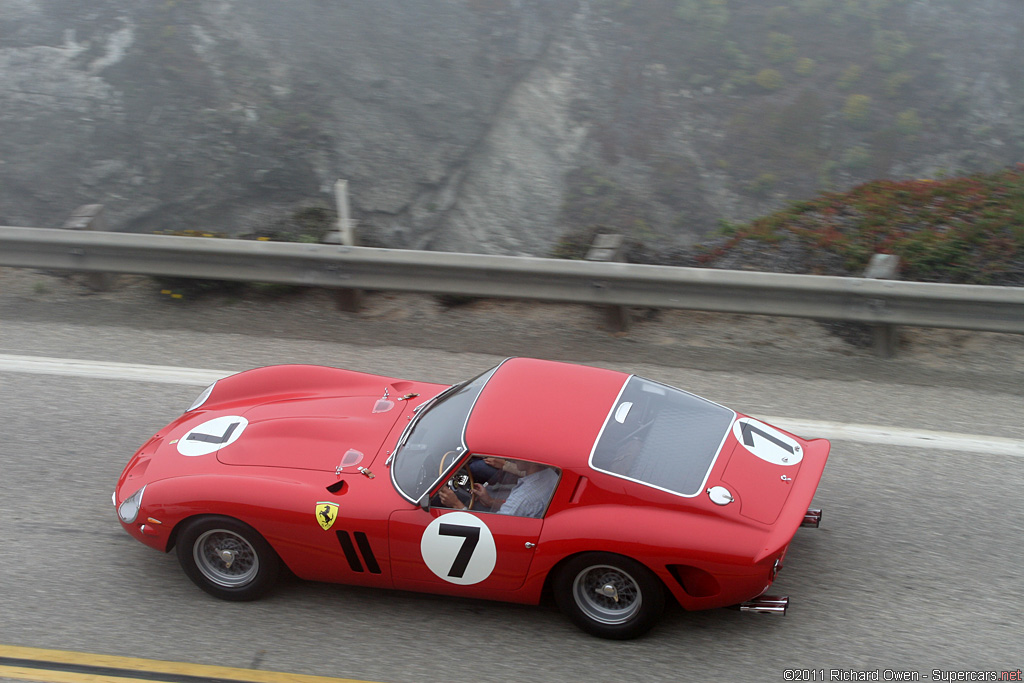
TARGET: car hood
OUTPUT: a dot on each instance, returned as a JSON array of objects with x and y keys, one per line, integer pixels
[{"x": 313, "y": 433}]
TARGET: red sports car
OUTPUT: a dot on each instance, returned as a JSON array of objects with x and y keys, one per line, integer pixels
[{"x": 613, "y": 492}]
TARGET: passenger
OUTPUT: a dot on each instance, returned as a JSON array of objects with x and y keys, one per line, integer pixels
[{"x": 528, "y": 498}]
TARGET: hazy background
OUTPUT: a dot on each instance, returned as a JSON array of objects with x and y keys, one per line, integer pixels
[{"x": 493, "y": 125}]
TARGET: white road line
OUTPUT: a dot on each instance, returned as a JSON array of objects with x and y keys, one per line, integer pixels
[
  {"x": 895, "y": 436},
  {"x": 67, "y": 367},
  {"x": 837, "y": 431}
]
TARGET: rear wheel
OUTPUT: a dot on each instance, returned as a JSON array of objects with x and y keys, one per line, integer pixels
[
  {"x": 227, "y": 558},
  {"x": 610, "y": 596}
]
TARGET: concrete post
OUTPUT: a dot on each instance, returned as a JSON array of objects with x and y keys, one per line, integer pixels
[
  {"x": 90, "y": 217},
  {"x": 349, "y": 300},
  {"x": 609, "y": 247},
  {"x": 885, "y": 338}
]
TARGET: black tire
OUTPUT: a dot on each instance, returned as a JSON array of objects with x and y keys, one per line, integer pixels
[
  {"x": 609, "y": 596},
  {"x": 227, "y": 558}
]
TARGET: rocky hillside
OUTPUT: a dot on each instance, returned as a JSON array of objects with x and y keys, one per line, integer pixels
[{"x": 494, "y": 125}]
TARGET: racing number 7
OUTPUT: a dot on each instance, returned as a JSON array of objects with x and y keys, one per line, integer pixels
[
  {"x": 471, "y": 534},
  {"x": 213, "y": 438},
  {"x": 749, "y": 430}
]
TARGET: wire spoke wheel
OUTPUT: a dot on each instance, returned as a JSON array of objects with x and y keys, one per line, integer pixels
[
  {"x": 607, "y": 594},
  {"x": 225, "y": 558}
]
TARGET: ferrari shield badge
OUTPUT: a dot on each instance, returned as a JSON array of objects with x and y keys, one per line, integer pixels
[{"x": 326, "y": 513}]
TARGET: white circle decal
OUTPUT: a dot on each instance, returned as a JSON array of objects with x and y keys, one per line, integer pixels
[
  {"x": 767, "y": 442},
  {"x": 459, "y": 548},
  {"x": 212, "y": 435}
]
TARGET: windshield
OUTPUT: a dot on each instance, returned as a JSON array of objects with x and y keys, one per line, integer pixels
[
  {"x": 436, "y": 431},
  {"x": 662, "y": 437}
]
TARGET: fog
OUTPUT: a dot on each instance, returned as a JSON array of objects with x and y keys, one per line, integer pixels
[{"x": 492, "y": 125}]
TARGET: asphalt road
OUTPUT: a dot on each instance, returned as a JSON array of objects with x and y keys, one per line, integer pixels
[{"x": 916, "y": 567}]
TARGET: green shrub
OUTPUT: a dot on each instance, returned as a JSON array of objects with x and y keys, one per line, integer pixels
[
  {"x": 804, "y": 66},
  {"x": 856, "y": 158},
  {"x": 739, "y": 79},
  {"x": 857, "y": 110},
  {"x": 769, "y": 79},
  {"x": 908, "y": 122},
  {"x": 780, "y": 48},
  {"x": 709, "y": 14},
  {"x": 738, "y": 58},
  {"x": 967, "y": 229},
  {"x": 851, "y": 76},
  {"x": 890, "y": 47},
  {"x": 896, "y": 83}
]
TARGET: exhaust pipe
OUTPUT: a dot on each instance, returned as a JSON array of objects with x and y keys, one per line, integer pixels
[
  {"x": 812, "y": 518},
  {"x": 766, "y": 604}
]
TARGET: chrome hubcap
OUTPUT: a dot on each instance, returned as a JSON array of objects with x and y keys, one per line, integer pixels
[
  {"x": 225, "y": 558},
  {"x": 228, "y": 556},
  {"x": 607, "y": 594}
]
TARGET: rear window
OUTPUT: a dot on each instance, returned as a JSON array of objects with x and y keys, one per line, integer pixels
[{"x": 662, "y": 437}]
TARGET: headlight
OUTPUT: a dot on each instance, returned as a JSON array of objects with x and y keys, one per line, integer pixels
[
  {"x": 202, "y": 397},
  {"x": 129, "y": 509}
]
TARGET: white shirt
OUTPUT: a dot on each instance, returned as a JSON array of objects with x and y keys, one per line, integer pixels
[{"x": 531, "y": 495}]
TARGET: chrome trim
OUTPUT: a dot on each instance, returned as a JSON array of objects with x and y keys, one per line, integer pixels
[
  {"x": 419, "y": 413},
  {"x": 202, "y": 398},
  {"x": 711, "y": 465},
  {"x": 812, "y": 518},
  {"x": 124, "y": 513},
  {"x": 766, "y": 604},
  {"x": 720, "y": 495}
]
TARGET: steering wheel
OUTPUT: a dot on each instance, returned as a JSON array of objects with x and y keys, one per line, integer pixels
[{"x": 461, "y": 480}]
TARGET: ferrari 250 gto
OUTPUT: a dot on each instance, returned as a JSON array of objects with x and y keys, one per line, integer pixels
[{"x": 609, "y": 492}]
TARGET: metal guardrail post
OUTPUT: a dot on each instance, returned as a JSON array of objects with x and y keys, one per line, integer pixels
[
  {"x": 885, "y": 338},
  {"x": 90, "y": 217},
  {"x": 606, "y": 248}
]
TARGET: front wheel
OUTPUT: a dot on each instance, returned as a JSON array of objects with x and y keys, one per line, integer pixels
[
  {"x": 609, "y": 596},
  {"x": 227, "y": 558}
]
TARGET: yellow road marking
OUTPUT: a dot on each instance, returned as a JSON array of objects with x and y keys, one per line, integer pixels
[
  {"x": 43, "y": 676},
  {"x": 60, "y": 666}
]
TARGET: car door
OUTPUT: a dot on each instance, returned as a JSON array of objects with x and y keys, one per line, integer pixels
[{"x": 461, "y": 552}]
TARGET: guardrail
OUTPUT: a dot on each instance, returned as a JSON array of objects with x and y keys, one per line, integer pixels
[{"x": 872, "y": 301}]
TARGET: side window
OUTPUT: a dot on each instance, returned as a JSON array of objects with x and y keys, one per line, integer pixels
[
  {"x": 502, "y": 486},
  {"x": 517, "y": 487}
]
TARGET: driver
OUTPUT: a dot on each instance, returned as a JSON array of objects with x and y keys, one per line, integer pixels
[{"x": 528, "y": 498}]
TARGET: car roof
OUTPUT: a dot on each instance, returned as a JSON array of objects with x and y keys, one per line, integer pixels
[{"x": 543, "y": 411}]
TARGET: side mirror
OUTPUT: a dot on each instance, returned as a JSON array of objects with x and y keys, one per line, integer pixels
[{"x": 424, "y": 501}]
